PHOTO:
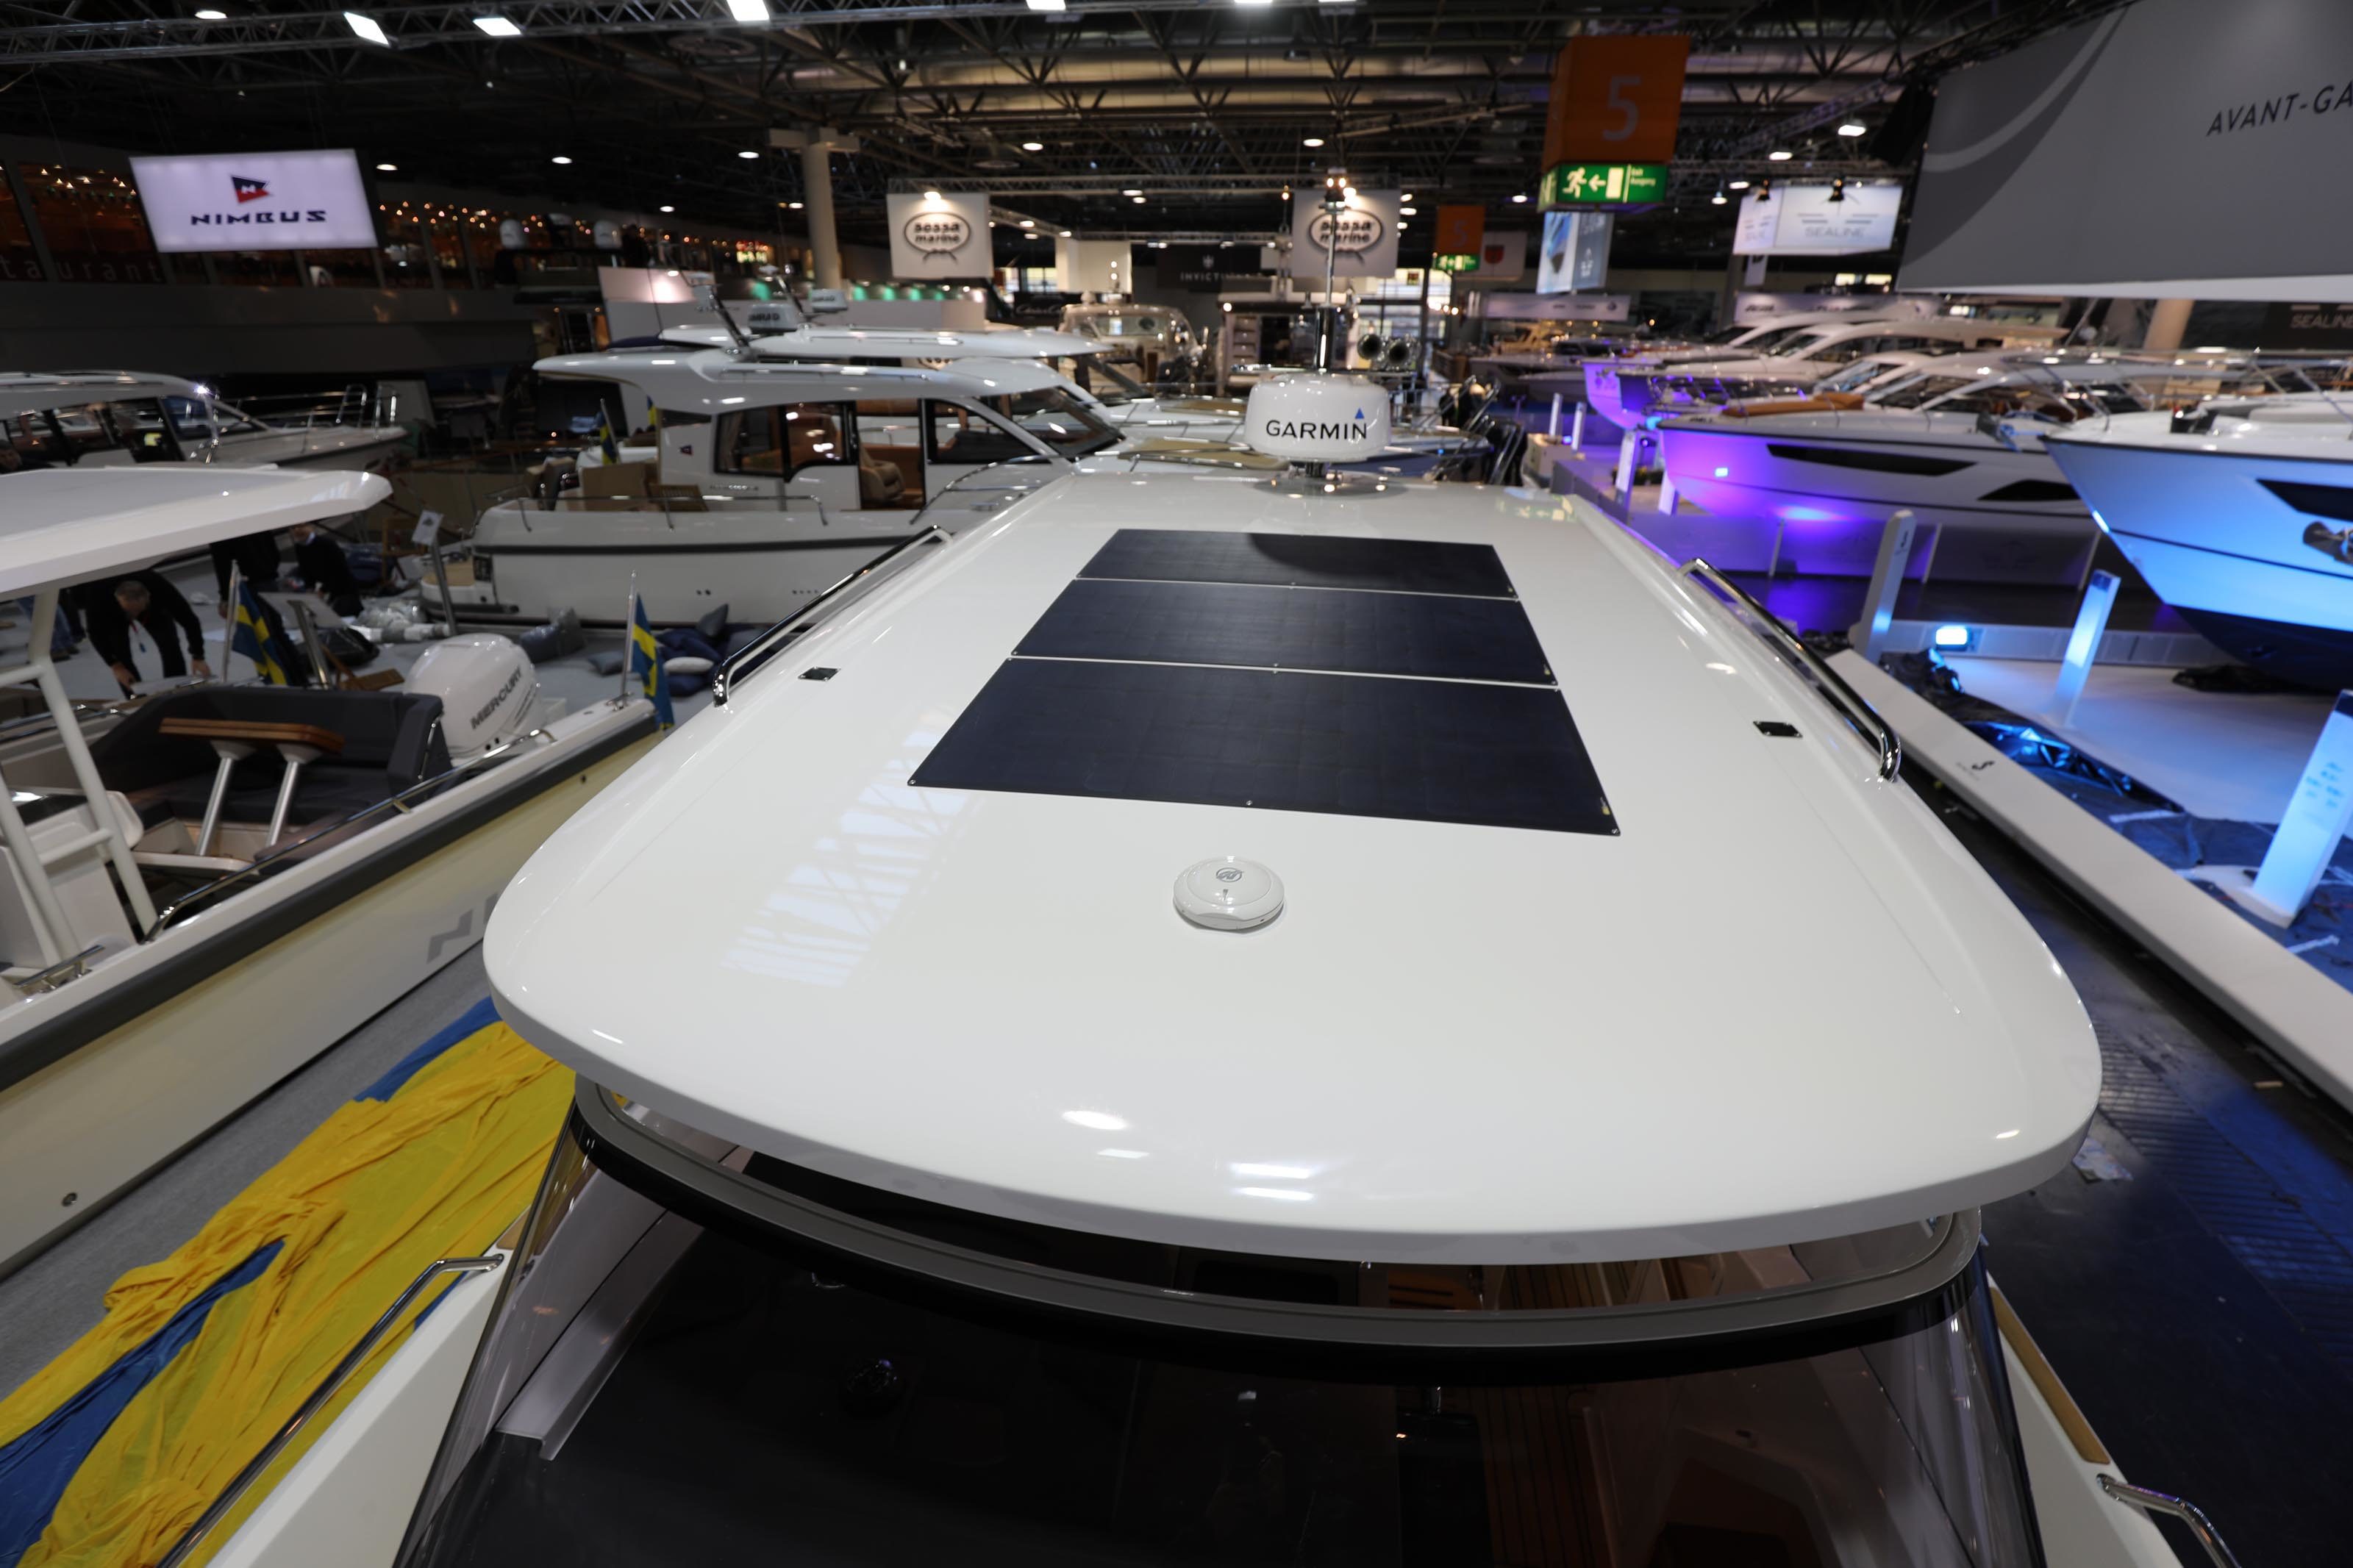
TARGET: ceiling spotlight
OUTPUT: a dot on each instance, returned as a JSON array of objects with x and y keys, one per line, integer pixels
[
  {"x": 1138, "y": 200},
  {"x": 1131, "y": 191},
  {"x": 930, "y": 195},
  {"x": 789, "y": 206},
  {"x": 1779, "y": 156},
  {"x": 1718, "y": 199},
  {"x": 498, "y": 27},
  {"x": 1253, "y": 2},
  {"x": 1737, "y": 185},
  {"x": 1310, "y": 141},
  {"x": 1029, "y": 223},
  {"x": 670, "y": 209},
  {"x": 748, "y": 10},
  {"x": 366, "y": 27},
  {"x": 1852, "y": 129},
  {"x": 209, "y": 14},
  {"x": 559, "y": 158},
  {"x": 747, "y": 153},
  {"x": 1520, "y": 197},
  {"x": 1403, "y": 226},
  {"x": 1033, "y": 146},
  {"x": 1407, "y": 198},
  {"x": 1407, "y": 212},
  {"x": 1046, "y": 5},
  {"x": 387, "y": 168}
]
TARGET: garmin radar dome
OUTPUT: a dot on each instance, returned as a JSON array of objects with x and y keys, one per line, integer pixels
[
  {"x": 1315, "y": 420},
  {"x": 487, "y": 691}
]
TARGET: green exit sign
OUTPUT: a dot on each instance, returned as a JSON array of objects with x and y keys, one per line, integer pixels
[
  {"x": 1455, "y": 263},
  {"x": 1604, "y": 185}
]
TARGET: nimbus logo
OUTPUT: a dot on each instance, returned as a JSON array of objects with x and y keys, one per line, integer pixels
[{"x": 249, "y": 189}]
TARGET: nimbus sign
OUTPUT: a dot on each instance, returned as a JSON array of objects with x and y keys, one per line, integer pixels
[
  {"x": 939, "y": 236},
  {"x": 1361, "y": 239},
  {"x": 257, "y": 201}
]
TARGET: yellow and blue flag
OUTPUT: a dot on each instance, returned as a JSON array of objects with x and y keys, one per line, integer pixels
[
  {"x": 606, "y": 441},
  {"x": 646, "y": 665},
  {"x": 255, "y": 639}
]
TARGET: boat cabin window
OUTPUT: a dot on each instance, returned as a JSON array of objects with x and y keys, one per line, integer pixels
[
  {"x": 1921, "y": 390},
  {"x": 36, "y": 443},
  {"x": 1057, "y": 419},
  {"x": 890, "y": 451},
  {"x": 959, "y": 434},
  {"x": 782, "y": 440}
]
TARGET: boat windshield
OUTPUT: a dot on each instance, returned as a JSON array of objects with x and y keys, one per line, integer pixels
[
  {"x": 1922, "y": 390},
  {"x": 771, "y": 1398},
  {"x": 1773, "y": 341},
  {"x": 1104, "y": 380},
  {"x": 1858, "y": 375},
  {"x": 1057, "y": 419}
]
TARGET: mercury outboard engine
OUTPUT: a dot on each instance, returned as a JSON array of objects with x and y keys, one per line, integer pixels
[{"x": 487, "y": 691}]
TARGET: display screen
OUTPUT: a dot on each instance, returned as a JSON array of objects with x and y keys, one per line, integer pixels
[{"x": 257, "y": 201}]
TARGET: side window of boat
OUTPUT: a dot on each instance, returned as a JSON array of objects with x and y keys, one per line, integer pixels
[
  {"x": 960, "y": 435},
  {"x": 35, "y": 444},
  {"x": 781, "y": 441},
  {"x": 86, "y": 429},
  {"x": 187, "y": 417}
]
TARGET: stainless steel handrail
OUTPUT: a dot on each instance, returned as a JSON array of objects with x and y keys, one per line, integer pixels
[
  {"x": 2183, "y": 1508},
  {"x": 282, "y": 853},
  {"x": 193, "y": 1537},
  {"x": 1850, "y": 702},
  {"x": 753, "y": 655}
]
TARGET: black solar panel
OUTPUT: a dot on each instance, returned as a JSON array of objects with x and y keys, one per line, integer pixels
[
  {"x": 1504, "y": 756},
  {"x": 1306, "y": 560},
  {"x": 1297, "y": 628}
]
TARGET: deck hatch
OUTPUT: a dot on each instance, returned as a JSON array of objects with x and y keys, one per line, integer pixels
[
  {"x": 1361, "y": 701},
  {"x": 1294, "y": 628},
  {"x": 1303, "y": 561}
]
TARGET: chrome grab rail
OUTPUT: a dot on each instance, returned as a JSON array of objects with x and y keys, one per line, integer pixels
[
  {"x": 1850, "y": 702},
  {"x": 2183, "y": 1508},
  {"x": 193, "y": 1536},
  {"x": 753, "y": 655}
]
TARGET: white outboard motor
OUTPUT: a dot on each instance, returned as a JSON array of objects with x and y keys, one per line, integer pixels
[
  {"x": 487, "y": 691},
  {"x": 1315, "y": 420}
]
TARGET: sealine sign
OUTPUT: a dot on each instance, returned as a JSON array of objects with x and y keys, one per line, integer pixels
[
  {"x": 938, "y": 233},
  {"x": 257, "y": 201}
]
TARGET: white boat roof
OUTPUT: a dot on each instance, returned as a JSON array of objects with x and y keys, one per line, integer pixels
[
  {"x": 2307, "y": 426},
  {"x": 714, "y": 381},
  {"x": 65, "y": 525},
  {"x": 32, "y": 392},
  {"x": 1778, "y": 1003},
  {"x": 834, "y": 343}
]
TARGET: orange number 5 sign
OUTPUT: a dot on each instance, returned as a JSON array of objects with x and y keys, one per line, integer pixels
[{"x": 1616, "y": 99}]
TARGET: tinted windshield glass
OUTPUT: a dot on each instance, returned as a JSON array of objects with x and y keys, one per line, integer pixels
[
  {"x": 767, "y": 1409},
  {"x": 1057, "y": 419},
  {"x": 1856, "y": 376},
  {"x": 1921, "y": 389},
  {"x": 1771, "y": 342}
]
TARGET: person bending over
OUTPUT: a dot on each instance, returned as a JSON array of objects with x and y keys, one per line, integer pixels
[
  {"x": 325, "y": 570},
  {"x": 145, "y": 600}
]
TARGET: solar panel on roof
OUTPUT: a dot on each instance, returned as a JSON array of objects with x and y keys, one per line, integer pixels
[
  {"x": 1300, "y": 560},
  {"x": 1297, "y": 628},
  {"x": 1504, "y": 756}
]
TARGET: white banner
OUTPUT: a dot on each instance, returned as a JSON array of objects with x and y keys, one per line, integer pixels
[
  {"x": 1554, "y": 306},
  {"x": 1364, "y": 239},
  {"x": 257, "y": 201},
  {"x": 938, "y": 236},
  {"x": 1575, "y": 253},
  {"x": 1803, "y": 220},
  {"x": 1759, "y": 307},
  {"x": 1502, "y": 258}
]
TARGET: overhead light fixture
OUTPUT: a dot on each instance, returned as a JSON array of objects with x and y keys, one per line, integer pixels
[
  {"x": 1718, "y": 199},
  {"x": 1066, "y": 234},
  {"x": 559, "y": 158},
  {"x": 790, "y": 206},
  {"x": 1131, "y": 191},
  {"x": 1852, "y": 129},
  {"x": 1407, "y": 212},
  {"x": 1310, "y": 141},
  {"x": 747, "y": 153},
  {"x": 1029, "y": 223},
  {"x": 1253, "y": 3},
  {"x": 498, "y": 27},
  {"x": 387, "y": 168},
  {"x": 1737, "y": 185},
  {"x": 670, "y": 209},
  {"x": 1138, "y": 200},
  {"x": 1522, "y": 197},
  {"x": 1403, "y": 226},
  {"x": 930, "y": 195},
  {"x": 1407, "y": 198},
  {"x": 1033, "y": 146},
  {"x": 209, "y": 14},
  {"x": 366, "y": 27},
  {"x": 748, "y": 10},
  {"x": 1779, "y": 156},
  {"x": 1047, "y": 4}
]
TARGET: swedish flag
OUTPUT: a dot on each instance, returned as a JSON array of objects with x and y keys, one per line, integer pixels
[
  {"x": 605, "y": 442},
  {"x": 254, "y": 638},
  {"x": 644, "y": 663}
]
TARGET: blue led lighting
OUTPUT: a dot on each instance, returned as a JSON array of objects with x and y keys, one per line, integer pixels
[{"x": 1954, "y": 637}]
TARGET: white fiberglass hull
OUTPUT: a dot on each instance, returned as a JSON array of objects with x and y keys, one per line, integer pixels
[
  {"x": 153, "y": 1047},
  {"x": 2245, "y": 543},
  {"x": 1823, "y": 488}
]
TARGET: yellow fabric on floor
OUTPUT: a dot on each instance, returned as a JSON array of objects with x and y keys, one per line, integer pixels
[{"x": 379, "y": 1191}]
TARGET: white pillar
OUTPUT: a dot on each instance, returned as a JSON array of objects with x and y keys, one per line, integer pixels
[
  {"x": 816, "y": 180},
  {"x": 1887, "y": 580},
  {"x": 2083, "y": 646},
  {"x": 1576, "y": 431}
]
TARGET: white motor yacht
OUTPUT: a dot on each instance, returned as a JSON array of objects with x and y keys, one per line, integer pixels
[
  {"x": 1633, "y": 395},
  {"x": 110, "y": 418},
  {"x": 231, "y": 877},
  {"x": 2240, "y": 514},
  {"x": 1116, "y": 1107},
  {"x": 1598, "y": 383},
  {"x": 773, "y": 479},
  {"x": 1957, "y": 441}
]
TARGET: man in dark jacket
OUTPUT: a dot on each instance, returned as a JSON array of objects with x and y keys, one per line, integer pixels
[
  {"x": 320, "y": 561},
  {"x": 146, "y": 601},
  {"x": 256, "y": 554}
]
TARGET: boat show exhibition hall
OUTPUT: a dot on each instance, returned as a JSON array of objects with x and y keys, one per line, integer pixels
[{"x": 1209, "y": 784}]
